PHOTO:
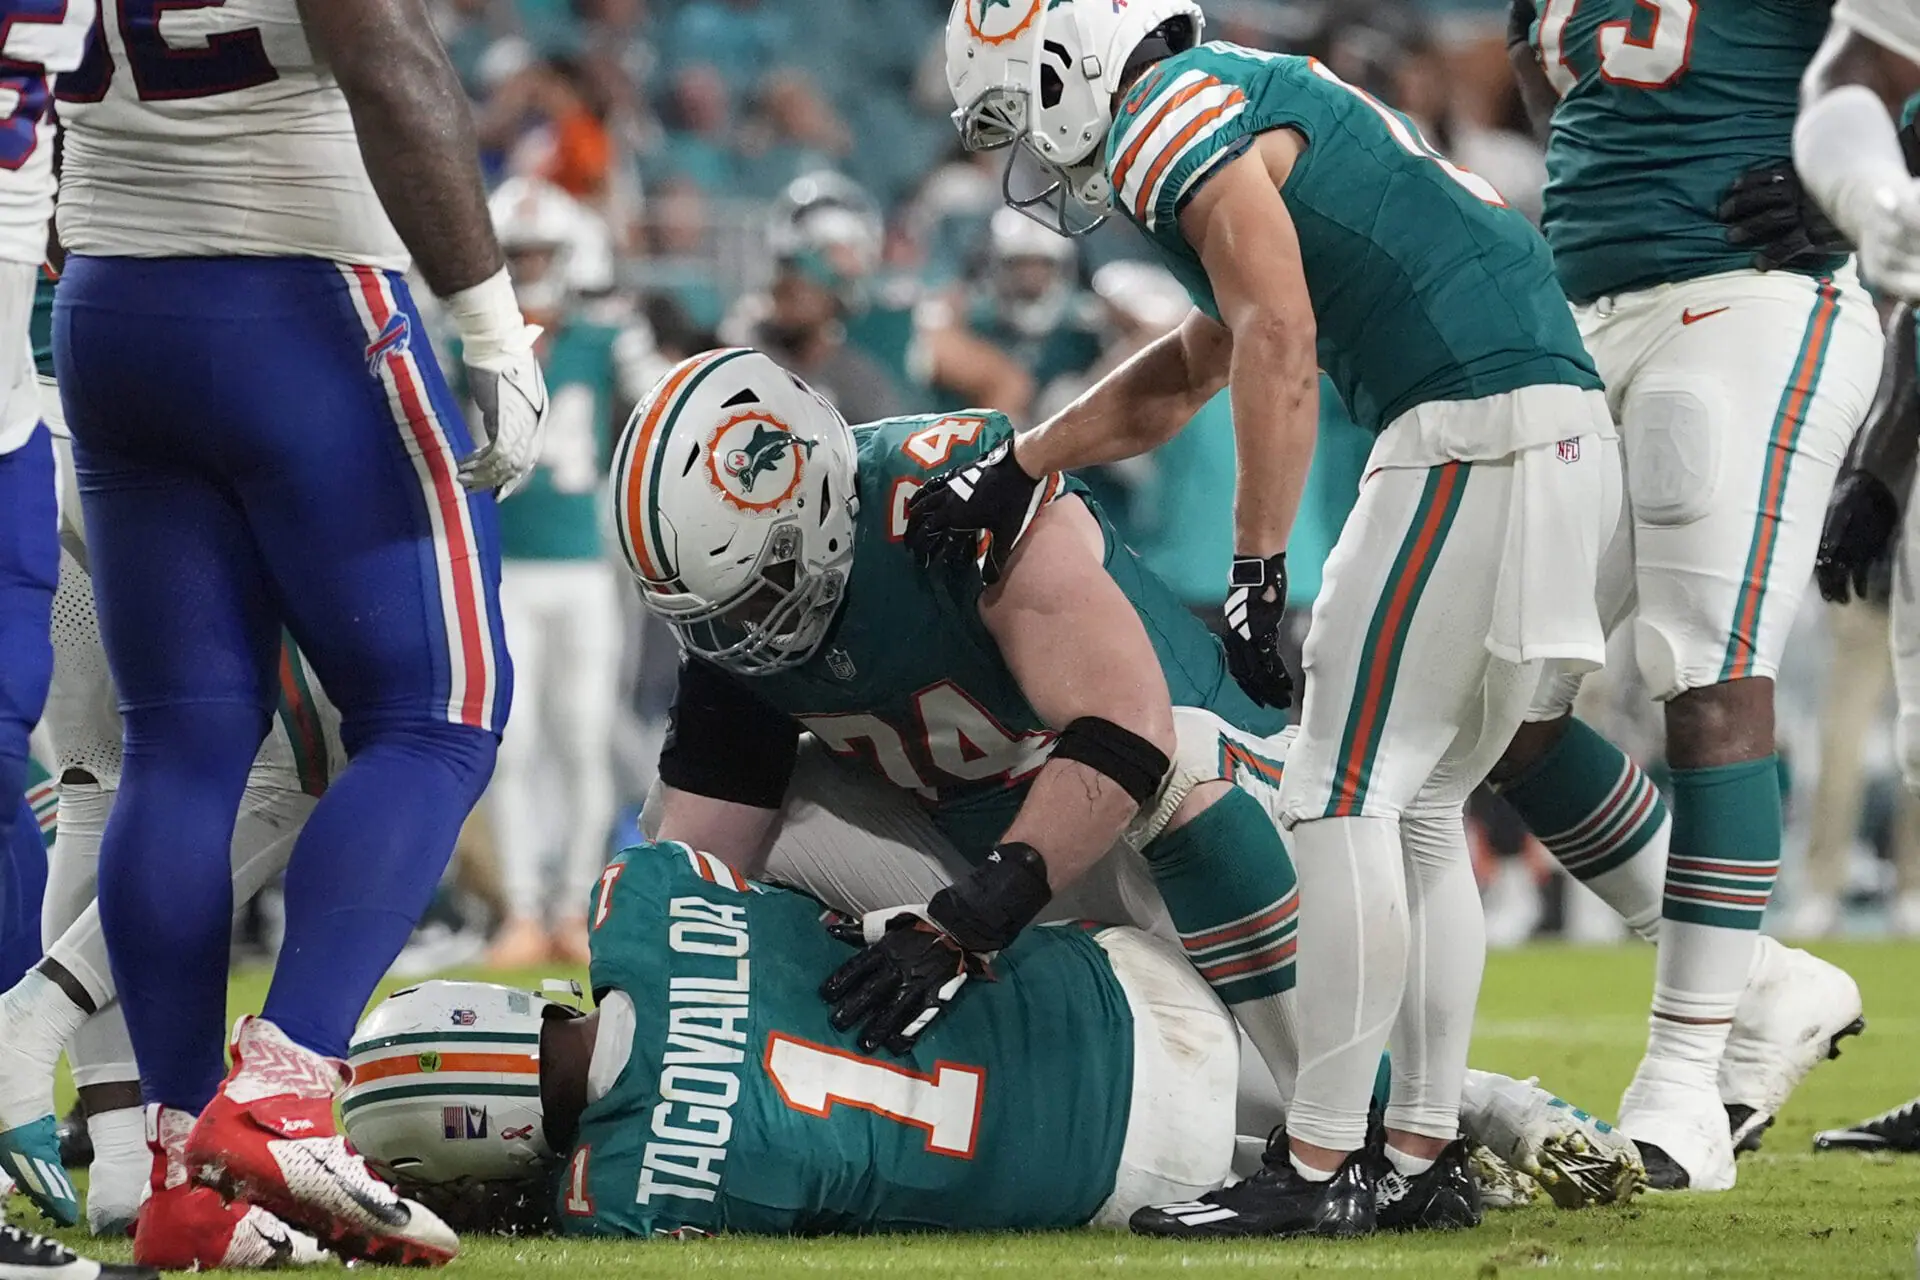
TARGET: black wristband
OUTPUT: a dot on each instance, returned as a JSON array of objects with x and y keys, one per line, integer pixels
[
  {"x": 1136, "y": 766},
  {"x": 999, "y": 898}
]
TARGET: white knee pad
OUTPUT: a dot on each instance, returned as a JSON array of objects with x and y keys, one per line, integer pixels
[
  {"x": 1672, "y": 430},
  {"x": 1208, "y": 749}
]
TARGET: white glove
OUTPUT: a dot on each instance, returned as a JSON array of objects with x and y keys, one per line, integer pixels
[
  {"x": 504, "y": 379},
  {"x": 1890, "y": 243}
]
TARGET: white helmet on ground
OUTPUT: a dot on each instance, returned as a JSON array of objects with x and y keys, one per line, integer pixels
[
  {"x": 1043, "y": 74},
  {"x": 446, "y": 1084},
  {"x": 735, "y": 493},
  {"x": 541, "y": 229}
]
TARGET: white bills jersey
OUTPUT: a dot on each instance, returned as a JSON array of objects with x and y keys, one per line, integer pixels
[
  {"x": 214, "y": 130},
  {"x": 38, "y": 40}
]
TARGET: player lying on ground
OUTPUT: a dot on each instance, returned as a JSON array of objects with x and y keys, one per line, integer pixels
[{"x": 711, "y": 1091}]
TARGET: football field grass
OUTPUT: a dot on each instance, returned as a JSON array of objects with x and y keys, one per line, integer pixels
[{"x": 1576, "y": 1018}]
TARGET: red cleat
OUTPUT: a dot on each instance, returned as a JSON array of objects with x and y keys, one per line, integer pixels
[
  {"x": 268, "y": 1137},
  {"x": 184, "y": 1227}
]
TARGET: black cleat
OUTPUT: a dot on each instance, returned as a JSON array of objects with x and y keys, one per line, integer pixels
[
  {"x": 1276, "y": 1201},
  {"x": 1663, "y": 1171},
  {"x": 76, "y": 1143},
  {"x": 31, "y": 1257},
  {"x": 1746, "y": 1127},
  {"x": 1444, "y": 1198},
  {"x": 1895, "y": 1130}
]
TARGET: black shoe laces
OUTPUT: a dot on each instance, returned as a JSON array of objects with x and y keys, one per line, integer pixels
[{"x": 25, "y": 1249}]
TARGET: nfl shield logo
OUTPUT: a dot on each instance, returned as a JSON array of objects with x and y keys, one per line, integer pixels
[
  {"x": 1567, "y": 451},
  {"x": 841, "y": 664}
]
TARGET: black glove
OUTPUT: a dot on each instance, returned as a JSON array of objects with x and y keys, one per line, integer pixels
[
  {"x": 1768, "y": 211},
  {"x": 991, "y": 496},
  {"x": 1862, "y": 517},
  {"x": 914, "y": 960},
  {"x": 1256, "y": 603}
]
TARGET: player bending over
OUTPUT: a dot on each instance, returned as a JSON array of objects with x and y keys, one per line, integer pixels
[
  {"x": 712, "y": 1091},
  {"x": 1315, "y": 228}
]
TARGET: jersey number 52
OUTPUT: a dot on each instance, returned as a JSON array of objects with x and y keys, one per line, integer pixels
[{"x": 220, "y": 62}]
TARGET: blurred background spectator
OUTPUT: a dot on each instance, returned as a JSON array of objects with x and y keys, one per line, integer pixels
[{"x": 784, "y": 173}]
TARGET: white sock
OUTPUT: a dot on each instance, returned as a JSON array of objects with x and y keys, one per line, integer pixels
[
  {"x": 119, "y": 1173},
  {"x": 36, "y": 1017},
  {"x": 1353, "y": 943},
  {"x": 1271, "y": 1024},
  {"x": 1408, "y": 1166},
  {"x": 1310, "y": 1173},
  {"x": 1691, "y": 1050},
  {"x": 1637, "y": 887}
]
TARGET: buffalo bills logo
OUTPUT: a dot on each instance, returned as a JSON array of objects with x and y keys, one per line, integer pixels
[
  {"x": 464, "y": 1017},
  {"x": 395, "y": 339}
]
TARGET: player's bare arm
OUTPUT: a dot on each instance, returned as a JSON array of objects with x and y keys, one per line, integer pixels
[
  {"x": 416, "y": 135},
  {"x": 1240, "y": 226},
  {"x": 1078, "y": 650},
  {"x": 1084, "y": 663},
  {"x": 415, "y": 131}
]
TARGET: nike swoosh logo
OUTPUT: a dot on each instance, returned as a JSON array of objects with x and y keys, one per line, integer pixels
[{"x": 1688, "y": 316}]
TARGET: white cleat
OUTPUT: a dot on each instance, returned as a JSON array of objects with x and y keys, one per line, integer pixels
[
  {"x": 1680, "y": 1127},
  {"x": 1792, "y": 1016},
  {"x": 1501, "y": 1185},
  {"x": 1576, "y": 1159}
]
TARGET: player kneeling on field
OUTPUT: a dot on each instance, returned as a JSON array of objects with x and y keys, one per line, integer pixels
[{"x": 1097, "y": 1074}]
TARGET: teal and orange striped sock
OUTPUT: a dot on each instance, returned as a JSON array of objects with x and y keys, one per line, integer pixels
[
  {"x": 1603, "y": 818},
  {"x": 1726, "y": 852},
  {"x": 1229, "y": 885}
]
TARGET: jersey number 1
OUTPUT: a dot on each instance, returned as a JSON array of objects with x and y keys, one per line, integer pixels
[
  {"x": 1656, "y": 62},
  {"x": 813, "y": 1078}
]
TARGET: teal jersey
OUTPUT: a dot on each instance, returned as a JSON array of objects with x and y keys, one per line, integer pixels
[
  {"x": 1662, "y": 106},
  {"x": 742, "y": 1109},
  {"x": 557, "y": 514},
  {"x": 910, "y": 682},
  {"x": 1425, "y": 286},
  {"x": 40, "y": 329}
]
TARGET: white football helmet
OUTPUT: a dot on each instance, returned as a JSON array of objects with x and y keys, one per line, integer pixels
[
  {"x": 532, "y": 216},
  {"x": 1043, "y": 74},
  {"x": 446, "y": 1083},
  {"x": 735, "y": 495}
]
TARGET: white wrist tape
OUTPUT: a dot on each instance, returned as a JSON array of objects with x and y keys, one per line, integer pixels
[
  {"x": 488, "y": 318},
  {"x": 1848, "y": 155}
]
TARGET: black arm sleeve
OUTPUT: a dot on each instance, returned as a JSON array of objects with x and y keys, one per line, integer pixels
[
  {"x": 726, "y": 744},
  {"x": 1520, "y": 23}
]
